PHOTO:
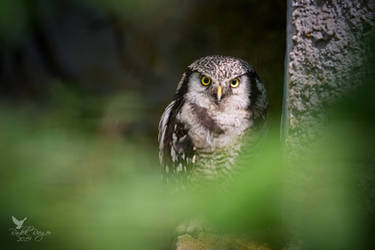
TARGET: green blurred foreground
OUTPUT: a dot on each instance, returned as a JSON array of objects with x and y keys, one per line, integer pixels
[
  {"x": 86, "y": 169},
  {"x": 92, "y": 188}
]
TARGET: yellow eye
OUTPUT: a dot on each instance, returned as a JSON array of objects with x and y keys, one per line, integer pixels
[
  {"x": 234, "y": 83},
  {"x": 205, "y": 80}
]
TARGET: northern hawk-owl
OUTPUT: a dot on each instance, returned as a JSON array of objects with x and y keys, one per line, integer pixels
[{"x": 218, "y": 101}]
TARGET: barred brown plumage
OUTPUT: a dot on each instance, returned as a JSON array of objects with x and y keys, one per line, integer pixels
[{"x": 202, "y": 130}]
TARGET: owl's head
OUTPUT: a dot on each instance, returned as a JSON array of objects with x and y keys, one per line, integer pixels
[{"x": 222, "y": 81}]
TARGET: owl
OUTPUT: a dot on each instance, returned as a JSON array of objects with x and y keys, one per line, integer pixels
[{"x": 219, "y": 102}]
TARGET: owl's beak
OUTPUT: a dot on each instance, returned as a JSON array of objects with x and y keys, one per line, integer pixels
[{"x": 219, "y": 93}]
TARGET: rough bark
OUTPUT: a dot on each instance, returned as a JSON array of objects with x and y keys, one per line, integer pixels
[{"x": 325, "y": 57}]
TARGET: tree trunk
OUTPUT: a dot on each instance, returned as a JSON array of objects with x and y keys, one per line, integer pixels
[
  {"x": 326, "y": 51},
  {"x": 326, "y": 58}
]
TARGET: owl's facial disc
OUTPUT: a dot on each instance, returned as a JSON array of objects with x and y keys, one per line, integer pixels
[
  {"x": 218, "y": 89},
  {"x": 205, "y": 90},
  {"x": 212, "y": 87}
]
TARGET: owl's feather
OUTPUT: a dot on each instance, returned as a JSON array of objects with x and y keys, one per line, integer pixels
[{"x": 201, "y": 137}]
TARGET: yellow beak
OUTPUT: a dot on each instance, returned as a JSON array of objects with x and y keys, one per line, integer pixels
[{"x": 219, "y": 93}]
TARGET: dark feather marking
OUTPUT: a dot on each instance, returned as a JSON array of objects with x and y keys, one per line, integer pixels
[
  {"x": 259, "y": 110},
  {"x": 172, "y": 122},
  {"x": 205, "y": 120},
  {"x": 254, "y": 91},
  {"x": 183, "y": 147},
  {"x": 184, "y": 144}
]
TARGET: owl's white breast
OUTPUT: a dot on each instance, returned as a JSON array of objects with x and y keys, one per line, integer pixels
[{"x": 232, "y": 120}]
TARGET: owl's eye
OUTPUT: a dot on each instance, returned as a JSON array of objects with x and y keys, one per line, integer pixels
[
  {"x": 205, "y": 80},
  {"x": 234, "y": 83}
]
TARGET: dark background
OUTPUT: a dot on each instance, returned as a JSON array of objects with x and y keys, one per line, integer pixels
[{"x": 95, "y": 50}]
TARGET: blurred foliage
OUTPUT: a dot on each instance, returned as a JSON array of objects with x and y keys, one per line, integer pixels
[
  {"x": 13, "y": 20},
  {"x": 95, "y": 189},
  {"x": 83, "y": 85}
]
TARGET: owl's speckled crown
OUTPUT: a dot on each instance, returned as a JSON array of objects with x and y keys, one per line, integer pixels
[{"x": 220, "y": 67}]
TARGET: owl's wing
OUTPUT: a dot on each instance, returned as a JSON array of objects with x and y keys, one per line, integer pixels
[
  {"x": 258, "y": 98},
  {"x": 163, "y": 128},
  {"x": 175, "y": 145}
]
